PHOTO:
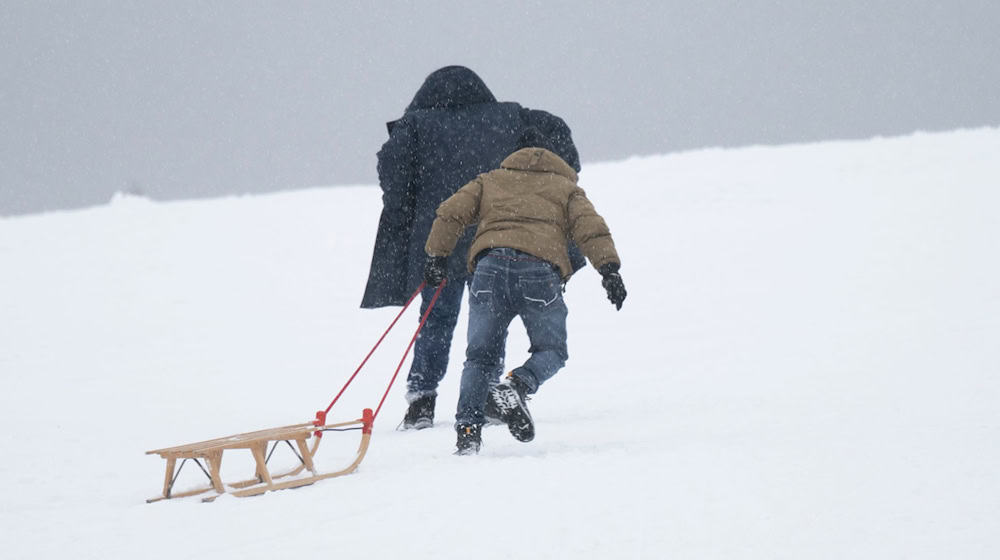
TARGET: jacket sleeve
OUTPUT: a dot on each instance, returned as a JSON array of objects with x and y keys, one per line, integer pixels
[
  {"x": 387, "y": 276},
  {"x": 557, "y": 131},
  {"x": 588, "y": 229},
  {"x": 395, "y": 175},
  {"x": 456, "y": 213}
]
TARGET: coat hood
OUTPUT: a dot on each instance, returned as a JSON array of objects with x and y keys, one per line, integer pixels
[
  {"x": 541, "y": 160},
  {"x": 451, "y": 86}
]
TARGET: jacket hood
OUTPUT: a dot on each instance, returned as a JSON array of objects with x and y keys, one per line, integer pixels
[
  {"x": 451, "y": 86},
  {"x": 539, "y": 159}
]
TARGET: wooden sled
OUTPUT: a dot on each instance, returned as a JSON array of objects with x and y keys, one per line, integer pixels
[{"x": 211, "y": 452}]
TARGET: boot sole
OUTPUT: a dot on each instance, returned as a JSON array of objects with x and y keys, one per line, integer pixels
[
  {"x": 474, "y": 450},
  {"x": 418, "y": 425},
  {"x": 513, "y": 412}
]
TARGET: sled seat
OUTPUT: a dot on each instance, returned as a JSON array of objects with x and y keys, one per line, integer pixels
[{"x": 211, "y": 452}]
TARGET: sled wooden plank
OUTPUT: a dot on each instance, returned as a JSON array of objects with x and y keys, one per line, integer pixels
[
  {"x": 256, "y": 490},
  {"x": 250, "y": 442},
  {"x": 215, "y": 466},
  {"x": 240, "y": 441},
  {"x": 223, "y": 439},
  {"x": 259, "y": 449},
  {"x": 238, "y": 437},
  {"x": 180, "y": 494},
  {"x": 279, "y": 434},
  {"x": 236, "y": 440},
  {"x": 171, "y": 463},
  {"x": 307, "y": 456},
  {"x": 307, "y": 460}
]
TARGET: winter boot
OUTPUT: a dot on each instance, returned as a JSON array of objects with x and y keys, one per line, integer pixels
[
  {"x": 420, "y": 414},
  {"x": 470, "y": 439},
  {"x": 509, "y": 399},
  {"x": 493, "y": 416}
]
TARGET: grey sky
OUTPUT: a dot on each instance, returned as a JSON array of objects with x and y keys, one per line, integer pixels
[{"x": 184, "y": 99}]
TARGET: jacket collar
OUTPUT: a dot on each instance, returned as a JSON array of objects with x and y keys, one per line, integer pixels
[{"x": 540, "y": 160}]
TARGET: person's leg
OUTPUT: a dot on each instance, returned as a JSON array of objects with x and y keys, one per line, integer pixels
[
  {"x": 492, "y": 414},
  {"x": 538, "y": 300},
  {"x": 430, "y": 359},
  {"x": 543, "y": 312},
  {"x": 433, "y": 344},
  {"x": 489, "y": 317}
]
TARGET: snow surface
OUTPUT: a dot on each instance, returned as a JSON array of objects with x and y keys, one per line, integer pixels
[{"x": 806, "y": 367}]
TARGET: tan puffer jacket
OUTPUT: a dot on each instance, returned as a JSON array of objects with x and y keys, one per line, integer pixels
[{"x": 532, "y": 204}]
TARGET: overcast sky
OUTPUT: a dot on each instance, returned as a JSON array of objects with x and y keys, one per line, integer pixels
[{"x": 180, "y": 99}]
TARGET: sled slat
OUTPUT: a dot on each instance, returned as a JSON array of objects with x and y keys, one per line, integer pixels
[
  {"x": 256, "y": 490},
  {"x": 171, "y": 463},
  {"x": 215, "y": 466},
  {"x": 271, "y": 433}
]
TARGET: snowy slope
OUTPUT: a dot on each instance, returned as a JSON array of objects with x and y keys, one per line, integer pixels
[{"x": 806, "y": 367}]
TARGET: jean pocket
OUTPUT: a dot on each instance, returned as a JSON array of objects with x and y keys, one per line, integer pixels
[
  {"x": 482, "y": 286},
  {"x": 541, "y": 292}
]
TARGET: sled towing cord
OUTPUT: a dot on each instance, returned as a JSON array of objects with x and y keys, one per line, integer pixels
[
  {"x": 321, "y": 415},
  {"x": 211, "y": 451}
]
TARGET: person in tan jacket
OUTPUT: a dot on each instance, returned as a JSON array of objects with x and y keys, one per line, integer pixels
[{"x": 526, "y": 213}]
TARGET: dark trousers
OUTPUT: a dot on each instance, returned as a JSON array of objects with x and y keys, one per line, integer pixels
[{"x": 430, "y": 351}]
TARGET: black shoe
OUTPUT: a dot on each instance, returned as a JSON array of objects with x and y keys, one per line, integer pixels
[
  {"x": 493, "y": 416},
  {"x": 509, "y": 399},
  {"x": 420, "y": 414},
  {"x": 470, "y": 439}
]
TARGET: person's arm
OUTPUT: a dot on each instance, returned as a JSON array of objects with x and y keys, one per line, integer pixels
[
  {"x": 453, "y": 216},
  {"x": 396, "y": 173},
  {"x": 588, "y": 229},
  {"x": 387, "y": 276}
]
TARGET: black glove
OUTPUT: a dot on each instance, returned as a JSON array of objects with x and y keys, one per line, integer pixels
[
  {"x": 613, "y": 283},
  {"x": 435, "y": 270}
]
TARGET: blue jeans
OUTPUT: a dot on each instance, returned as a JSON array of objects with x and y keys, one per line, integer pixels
[{"x": 507, "y": 284}]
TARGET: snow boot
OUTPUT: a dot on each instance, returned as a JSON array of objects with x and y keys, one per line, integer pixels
[
  {"x": 470, "y": 439},
  {"x": 490, "y": 411},
  {"x": 509, "y": 399},
  {"x": 420, "y": 415}
]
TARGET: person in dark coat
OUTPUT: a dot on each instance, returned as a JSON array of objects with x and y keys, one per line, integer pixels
[{"x": 453, "y": 130}]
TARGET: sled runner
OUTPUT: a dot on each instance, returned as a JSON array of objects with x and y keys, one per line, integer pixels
[{"x": 209, "y": 453}]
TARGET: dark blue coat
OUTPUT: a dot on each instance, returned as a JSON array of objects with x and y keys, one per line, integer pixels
[{"x": 452, "y": 131}]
